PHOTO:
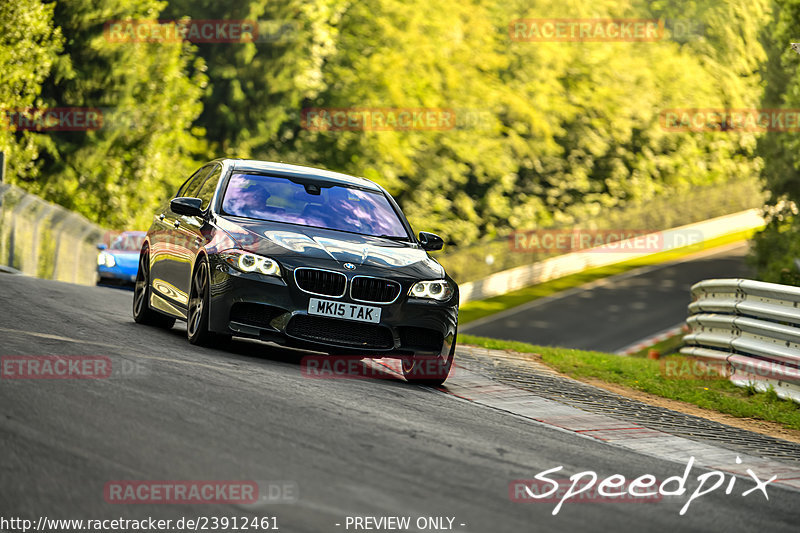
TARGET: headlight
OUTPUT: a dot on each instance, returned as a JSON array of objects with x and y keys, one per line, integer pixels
[
  {"x": 247, "y": 262},
  {"x": 435, "y": 290},
  {"x": 104, "y": 258}
]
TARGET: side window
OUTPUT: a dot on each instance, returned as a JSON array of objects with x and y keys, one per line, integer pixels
[
  {"x": 206, "y": 190},
  {"x": 193, "y": 183}
]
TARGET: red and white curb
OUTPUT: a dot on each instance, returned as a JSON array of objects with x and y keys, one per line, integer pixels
[
  {"x": 638, "y": 346},
  {"x": 481, "y": 390}
]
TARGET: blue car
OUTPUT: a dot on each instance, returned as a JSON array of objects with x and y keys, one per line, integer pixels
[{"x": 118, "y": 263}]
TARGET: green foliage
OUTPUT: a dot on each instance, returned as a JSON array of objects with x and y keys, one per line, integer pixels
[
  {"x": 257, "y": 87},
  {"x": 573, "y": 128},
  {"x": 29, "y": 45},
  {"x": 777, "y": 247},
  {"x": 782, "y": 76},
  {"x": 147, "y": 145},
  {"x": 776, "y": 250},
  {"x": 567, "y": 130}
]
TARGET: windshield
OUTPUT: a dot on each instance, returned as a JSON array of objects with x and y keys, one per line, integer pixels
[
  {"x": 337, "y": 208},
  {"x": 129, "y": 242}
]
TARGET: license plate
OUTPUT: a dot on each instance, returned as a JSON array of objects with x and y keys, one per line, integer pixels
[{"x": 361, "y": 313}]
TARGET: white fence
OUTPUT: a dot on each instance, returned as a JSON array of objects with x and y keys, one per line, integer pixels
[
  {"x": 574, "y": 262},
  {"x": 749, "y": 329}
]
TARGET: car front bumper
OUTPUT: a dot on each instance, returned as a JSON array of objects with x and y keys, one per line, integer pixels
[
  {"x": 116, "y": 274},
  {"x": 276, "y": 309}
]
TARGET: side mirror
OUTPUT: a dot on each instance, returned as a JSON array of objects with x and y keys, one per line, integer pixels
[
  {"x": 101, "y": 246},
  {"x": 430, "y": 241},
  {"x": 187, "y": 206}
]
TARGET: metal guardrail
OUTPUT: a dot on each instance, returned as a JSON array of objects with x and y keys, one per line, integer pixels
[
  {"x": 45, "y": 240},
  {"x": 750, "y": 329}
]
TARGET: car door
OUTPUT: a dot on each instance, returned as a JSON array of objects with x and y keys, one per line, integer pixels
[
  {"x": 171, "y": 253},
  {"x": 195, "y": 231}
]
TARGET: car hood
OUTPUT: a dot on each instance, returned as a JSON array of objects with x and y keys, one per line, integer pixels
[{"x": 281, "y": 240}]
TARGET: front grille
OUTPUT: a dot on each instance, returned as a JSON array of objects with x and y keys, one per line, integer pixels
[
  {"x": 341, "y": 332},
  {"x": 252, "y": 314},
  {"x": 323, "y": 282},
  {"x": 421, "y": 338},
  {"x": 373, "y": 289}
]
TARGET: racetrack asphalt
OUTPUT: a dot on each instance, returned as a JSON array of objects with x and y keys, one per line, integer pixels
[
  {"x": 613, "y": 313},
  {"x": 371, "y": 447}
]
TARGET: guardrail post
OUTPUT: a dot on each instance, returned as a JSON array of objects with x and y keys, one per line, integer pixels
[
  {"x": 79, "y": 252},
  {"x": 46, "y": 210}
]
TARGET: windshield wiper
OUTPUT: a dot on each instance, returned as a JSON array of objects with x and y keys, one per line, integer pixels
[{"x": 394, "y": 238}]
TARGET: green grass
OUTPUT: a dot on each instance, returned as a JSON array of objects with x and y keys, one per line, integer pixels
[
  {"x": 480, "y": 308},
  {"x": 651, "y": 376},
  {"x": 666, "y": 347}
]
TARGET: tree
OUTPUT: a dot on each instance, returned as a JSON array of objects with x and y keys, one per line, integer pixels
[
  {"x": 147, "y": 145},
  {"x": 778, "y": 245},
  {"x": 29, "y": 46},
  {"x": 256, "y": 87},
  {"x": 573, "y": 127}
]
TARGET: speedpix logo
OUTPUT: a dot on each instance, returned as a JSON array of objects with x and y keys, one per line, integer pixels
[{"x": 617, "y": 488}]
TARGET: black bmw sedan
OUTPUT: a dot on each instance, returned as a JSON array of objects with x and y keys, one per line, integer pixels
[{"x": 302, "y": 257}]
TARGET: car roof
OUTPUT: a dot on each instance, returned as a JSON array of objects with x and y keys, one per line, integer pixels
[{"x": 284, "y": 169}]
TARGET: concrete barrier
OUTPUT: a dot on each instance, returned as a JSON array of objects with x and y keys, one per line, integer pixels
[
  {"x": 571, "y": 263},
  {"x": 45, "y": 240}
]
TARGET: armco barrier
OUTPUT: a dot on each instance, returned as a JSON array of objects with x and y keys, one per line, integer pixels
[
  {"x": 45, "y": 240},
  {"x": 750, "y": 328},
  {"x": 571, "y": 263}
]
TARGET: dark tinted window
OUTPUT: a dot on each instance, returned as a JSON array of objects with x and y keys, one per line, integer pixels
[
  {"x": 332, "y": 207},
  {"x": 206, "y": 189},
  {"x": 193, "y": 183}
]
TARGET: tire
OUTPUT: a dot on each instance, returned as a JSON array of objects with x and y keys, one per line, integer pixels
[
  {"x": 142, "y": 314},
  {"x": 197, "y": 319},
  {"x": 430, "y": 371}
]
